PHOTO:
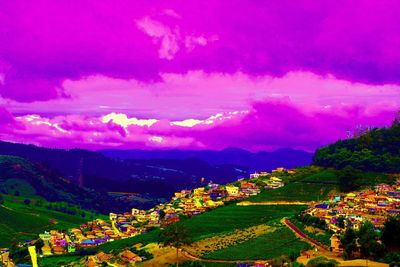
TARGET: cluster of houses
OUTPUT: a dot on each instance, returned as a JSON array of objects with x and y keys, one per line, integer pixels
[
  {"x": 90, "y": 234},
  {"x": 125, "y": 256},
  {"x": 355, "y": 208},
  {"x": 183, "y": 204}
]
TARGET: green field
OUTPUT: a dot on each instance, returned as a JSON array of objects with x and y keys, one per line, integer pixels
[
  {"x": 296, "y": 191},
  {"x": 119, "y": 245},
  {"x": 25, "y": 222},
  {"x": 231, "y": 217},
  {"x": 58, "y": 260},
  {"x": 22, "y": 186},
  {"x": 267, "y": 246},
  {"x": 207, "y": 264}
]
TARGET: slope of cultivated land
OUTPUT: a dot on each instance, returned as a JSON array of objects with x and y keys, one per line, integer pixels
[
  {"x": 217, "y": 242},
  {"x": 266, "y": 246},
  {"x": 232, "y": 217},
  {"x": 15, "y": 224},
  {"x": 144, "y": 239},
  {"x": 297, "y": 191},
  {"x": 25, "y": 221}
]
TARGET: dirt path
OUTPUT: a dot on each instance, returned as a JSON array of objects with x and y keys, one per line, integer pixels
[
  {"x": 192, "y": 257},
  {"x": 248, "y": 203},
  {"x": 6, "y": 207},
  {"x": 302, "y": 235},
  {"x": 166, "y": 256}
]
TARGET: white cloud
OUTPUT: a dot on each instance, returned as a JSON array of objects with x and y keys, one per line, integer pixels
[
  {"x": 156, "y": 139},
  {"x": 187, "y": 122},
  {"x": 162, "y": 34},
  {"x": 170, "y": 39},
  {"x": 124, "y": 121}
]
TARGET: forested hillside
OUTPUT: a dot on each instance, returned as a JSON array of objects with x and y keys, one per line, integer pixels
[
  {"x": 21, "y": 177},
  {"x": 376, "y": 150}
]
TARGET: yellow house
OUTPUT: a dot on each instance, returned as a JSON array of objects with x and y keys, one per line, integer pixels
[
  {"x": 135, "y": 211},
  {"x": 198, "y": 191},
  {"x": 232, "y": 190},
  {"x": 280, "y": 169},
  {"x": 275, "y": 179},
  {"x": 46, "y": 250},
  {"x": 113, "y": 216},
  {"x": 210, "y": 203},
  {"x": 335, "y": 244}
]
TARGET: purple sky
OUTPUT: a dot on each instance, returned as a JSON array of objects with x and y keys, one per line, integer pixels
[{"x": 259, "y": 75}]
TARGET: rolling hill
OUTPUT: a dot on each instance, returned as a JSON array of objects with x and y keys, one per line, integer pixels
[
  {"x": 20, "y": 177},
  {"x": 375, "y": 150}
]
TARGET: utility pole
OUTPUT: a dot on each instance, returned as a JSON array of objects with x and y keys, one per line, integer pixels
[{"x": 80, "y": 172}]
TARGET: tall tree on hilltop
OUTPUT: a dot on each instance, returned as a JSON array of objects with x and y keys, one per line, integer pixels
[{"x": 174, "y": 236}]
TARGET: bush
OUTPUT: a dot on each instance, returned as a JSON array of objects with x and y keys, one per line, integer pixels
[
  {"x": 322, "y": 262},
  {"x": 27, "y": 201}
]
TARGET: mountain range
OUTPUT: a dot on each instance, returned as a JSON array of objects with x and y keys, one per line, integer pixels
[
  {"x": 258, "y": 161},
  {"x": 150, "y": 175}
]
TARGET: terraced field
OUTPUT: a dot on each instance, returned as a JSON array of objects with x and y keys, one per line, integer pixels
[
  {"x": 267, "y": 246},
  {"x": 229, "y": 218},
  {"x": 300, "y": 191}
]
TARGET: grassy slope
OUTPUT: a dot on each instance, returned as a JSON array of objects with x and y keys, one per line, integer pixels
[
  {"x": 58, "y": 260},
  {"x": 25, "y": 222},
  {"x": 296, "y": 191},
  {"x": 231, "y": 217}
]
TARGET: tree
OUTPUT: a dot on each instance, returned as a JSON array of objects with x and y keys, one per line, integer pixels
[
  {"x": 391, "y": 232},
  {"x": 27, "y": 201},
  {"x": 341, "y": 221},
  {"x": 347, "y": 178},
  {"x": 368, "y": 241},
  {"x": 39, "y": 244},
  {"x": 348, "y": 242},
  {"x": 16, "y": 193},
  {"x": 322, "y": 261},
  {"x": 174, "y": 236}
]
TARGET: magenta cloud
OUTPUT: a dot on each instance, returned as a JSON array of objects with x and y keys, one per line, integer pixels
[{"x": 196, "y": 74}]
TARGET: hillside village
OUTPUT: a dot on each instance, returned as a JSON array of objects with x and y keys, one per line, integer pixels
[
  {"x": 355, "y": 208},
  {"x": 184, "y": 203}
]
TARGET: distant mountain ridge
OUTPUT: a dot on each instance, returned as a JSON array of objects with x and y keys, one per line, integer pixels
[
  {"x": 259, "y": 161},
  {"x": 157, "y": 178}
]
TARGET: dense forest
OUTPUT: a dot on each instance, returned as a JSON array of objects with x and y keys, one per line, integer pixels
[{"x": 376, "y": 150}]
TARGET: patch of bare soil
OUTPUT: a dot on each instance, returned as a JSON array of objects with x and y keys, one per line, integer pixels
[{"x": 217, "y": 242}]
